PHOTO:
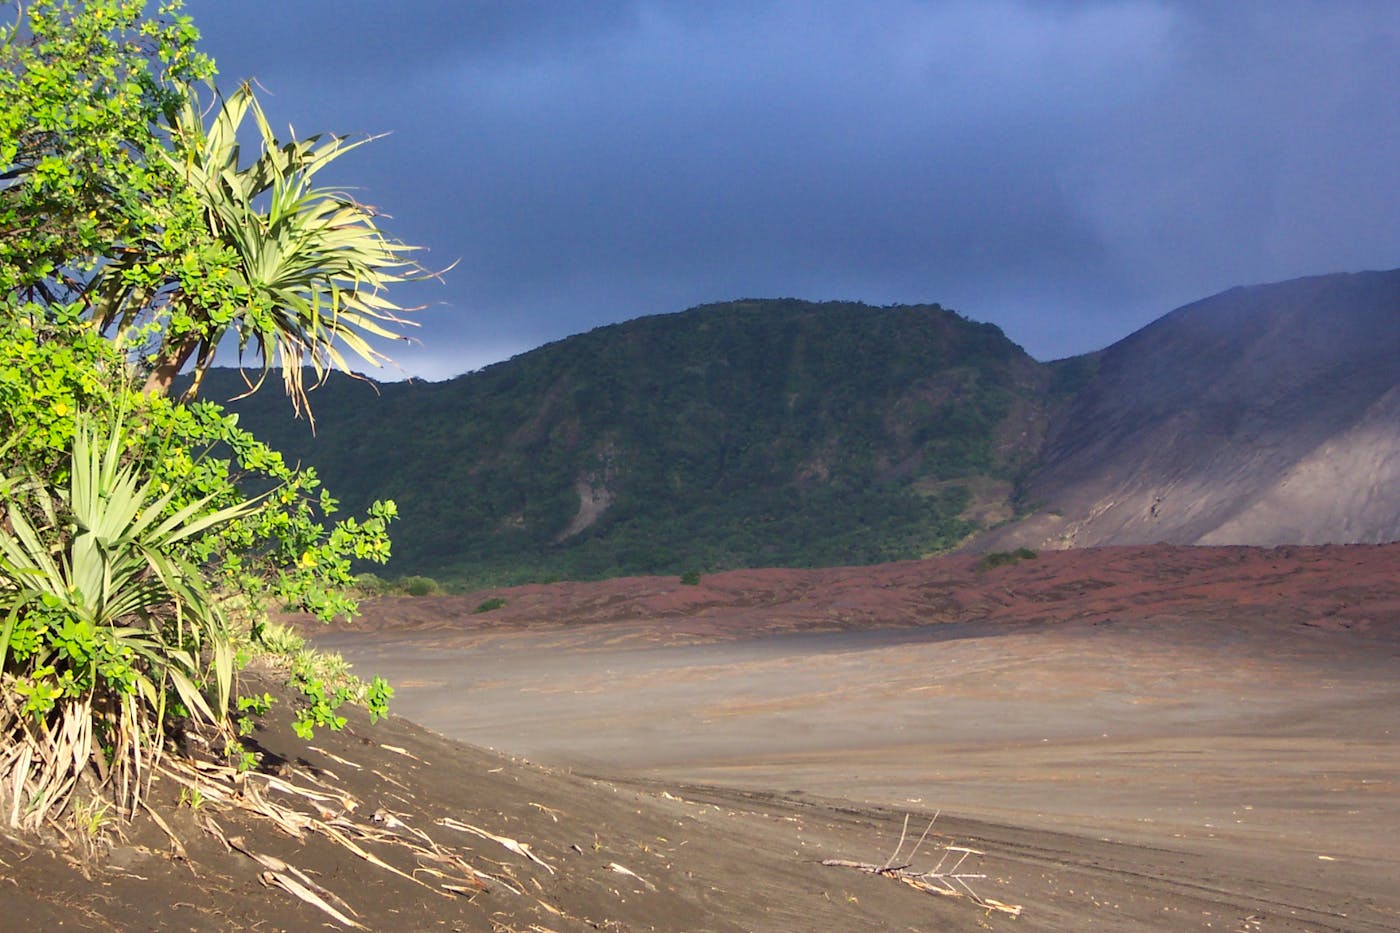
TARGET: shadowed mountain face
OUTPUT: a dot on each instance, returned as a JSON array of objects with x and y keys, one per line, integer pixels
[{"x": 1263, "y": 415}]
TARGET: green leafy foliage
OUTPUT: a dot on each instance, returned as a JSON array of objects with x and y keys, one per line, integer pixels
[
  {"x": 81, "y": 86},
  {"x": 287, "y": 552},
  {"x": 377, "y": 697},
  {"x": 323, "y": 678},
  {"x": 249, "y": 709},
  {"x": 144, "y": 538},
  {"x": 116, "y": 195},
  {"x": 371, "y": 584}
]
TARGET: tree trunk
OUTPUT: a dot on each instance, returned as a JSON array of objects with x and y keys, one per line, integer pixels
[{"x": 171, "y": 361}]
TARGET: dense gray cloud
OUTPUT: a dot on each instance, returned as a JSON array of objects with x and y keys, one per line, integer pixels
[{"x": 1067, "y": 170}]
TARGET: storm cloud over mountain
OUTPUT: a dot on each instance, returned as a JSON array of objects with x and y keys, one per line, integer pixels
[{"x": 1067, "y": 170}]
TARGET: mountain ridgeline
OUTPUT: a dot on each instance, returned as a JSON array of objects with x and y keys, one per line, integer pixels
[
  {"x": 1266, "y": 415},
  {"x": 752, "y": 433},
  {"x": 790, "y": 433}
]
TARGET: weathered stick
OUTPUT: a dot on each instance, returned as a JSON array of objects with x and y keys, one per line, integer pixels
[{"x": 937, "y": 880}]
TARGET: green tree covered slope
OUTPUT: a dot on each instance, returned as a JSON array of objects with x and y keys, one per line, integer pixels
[{"x": 751, "y": 433}]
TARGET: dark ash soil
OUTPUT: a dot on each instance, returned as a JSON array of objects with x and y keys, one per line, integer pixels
[{"x": 1134, "y": 738}]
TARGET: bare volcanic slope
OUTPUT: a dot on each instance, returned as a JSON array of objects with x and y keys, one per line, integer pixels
[
  {"x": 392, "y": 827},
  {"x": 1198, "y": 720},
  {"x": 400, "y": 828},
  {"x": 1263, "y": 415}
]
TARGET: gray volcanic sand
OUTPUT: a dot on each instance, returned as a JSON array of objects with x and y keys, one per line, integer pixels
[
  {"x": 1138, "y": 738},
  {"x": 1233, "y": 741},
  {"x": 1149, "y": 739}
]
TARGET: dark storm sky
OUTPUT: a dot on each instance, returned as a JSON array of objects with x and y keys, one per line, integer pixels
[{"x": 1067, "y": 170}]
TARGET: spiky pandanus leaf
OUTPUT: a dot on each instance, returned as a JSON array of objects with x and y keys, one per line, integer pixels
[
  {"x": 114, "y": 619},
  {"x": 303, "y": 272}
]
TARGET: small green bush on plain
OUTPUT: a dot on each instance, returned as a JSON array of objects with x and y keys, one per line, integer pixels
[
  {"x": 1005, "y": 558},
  {"x": 371, "y": 584},
  {"x": 418, "y": 586}
]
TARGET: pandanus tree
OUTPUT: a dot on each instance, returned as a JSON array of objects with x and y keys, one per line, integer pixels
[
  {"x": 293, "y": 272},
  {"x": 127, "y": 538},
  {"x": 102, "y": 618}
]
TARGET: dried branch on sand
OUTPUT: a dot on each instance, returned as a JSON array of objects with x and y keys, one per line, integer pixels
[{"x": 946, "y": 878}]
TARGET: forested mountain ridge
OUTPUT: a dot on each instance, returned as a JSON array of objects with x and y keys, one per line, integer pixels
[
  {"x": 750, "y": 433},
  {"x": 790, "y": 433}
]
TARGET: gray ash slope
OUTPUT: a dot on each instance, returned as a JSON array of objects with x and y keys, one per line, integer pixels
[{"x": 1264, "y": 415}]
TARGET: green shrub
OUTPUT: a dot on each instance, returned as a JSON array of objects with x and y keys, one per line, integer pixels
[
  {"x": 490, "y": 605},
  {"x": 1005, "y": 558},
  {"x": 371, "y": 584},
  {"x": 418, "y": 586},
  {"x": 690, "y": 578}
]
